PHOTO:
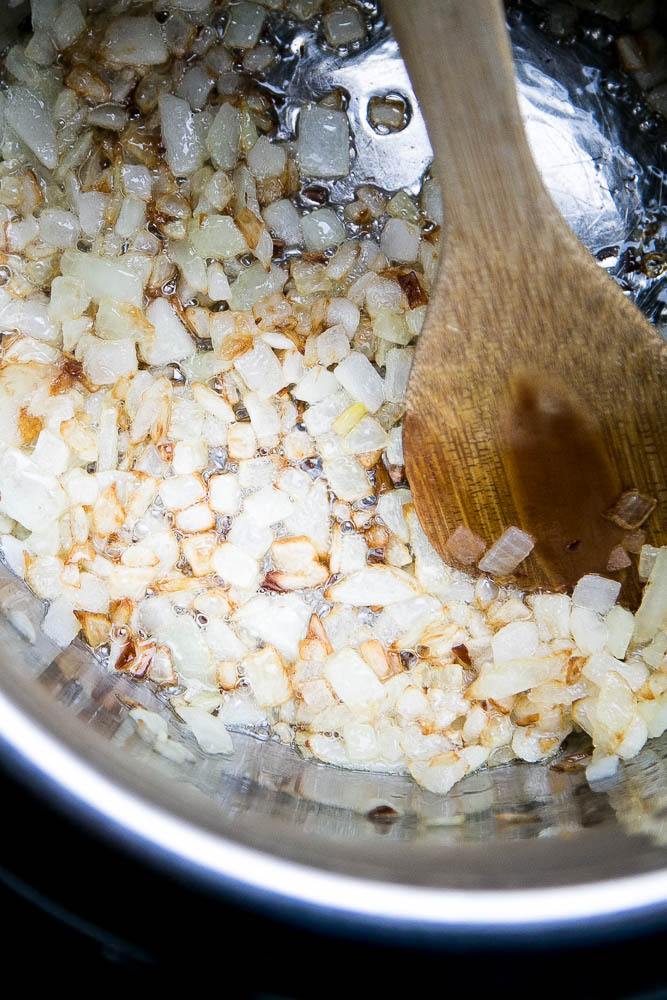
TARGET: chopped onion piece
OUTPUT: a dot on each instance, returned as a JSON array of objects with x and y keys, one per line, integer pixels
[
  {"x": 280, "y": 620},
  {"x": 602, "y": 767},
  {"x": 507, "y": 552},
  {"x": 20, "y": 234},
  {"x": 392, "y": 326},
  {"x": 366, "y": 436},
  {"x": 647, "y": 557},
  {"x": 224, "y": 136},
  {"x": 170, "y": 340},
  {"x": 29, "y": 117},
  {"x": 349, "y": 419},
  {"x": 323, "y": 144},
  {"x": 390, "y": 509},
  {"x": 189, "y": 456},
  {"x": 352, "y": 679},
  {"x": 119, "y": 321},
  {"x": 234, "y": 566},
  {"x": 69, "y": 24},
  {"x": 105, "y": 361},
  {"x": 261, "y": 370},
  {"x": 518, "y": 640},
  {"x": 132, "y": 216},
  {"x": 135, "y": 41},
  {"x": 31, "y": 318},
  {"x": 618, "y": 559},
  {"x": 28, "y": 494},
  {"x": 217, "y": 283},
  {"x": 219, "y": 237},
  {"x": 60, "y": 623},
  {"x": 316, "y": 385},
  {"x": 264, "y": 418},
  {"x": 357, "y": 375},
  {"x": 244, "y": 25},
  {"x": 284, "y": 222},
  {"x": 347, "y": 478},
  {"x": 376, "y": 585},
  {"x": 631, "y": 510},
  {"x": 400, "y": 240},
  {"x": 344, "y": 26},
  {"x": 398, "y": 363},
  {"x": 395, "y": 447},
  {"x": 620, "y": 625},
  {"x": 92, "y": 208},
  {"x": 596, "y": 593},
  {"x": 111, "y": 116},
  {"x": 516, "y": 675},
  {"x": 332, "y": 346},
  {"x": 613, "y": 711},
  {"x": 266, "y": 159},
  {"x": 465, "y": 547},
  {"x": 180, "y": 135},
  {"x": 104, "y": 277},
  {"x": 322, "y": 230},
  {"x": 208, "y": 730},
  {"x": 224, "y": 494},
  {"x": 431, "y": 200},
  {"x": 195, "y": 87},
  {"x": 255, "y": 283},
  {"x": 182, "y": 491},
  {"x": 58, "y": 228},
  {"x": 589, "y": 630},
  {"x": 652, "y": 613},
  {"x": 137, "y": 181},
  {"x": 196, "y": 519}
]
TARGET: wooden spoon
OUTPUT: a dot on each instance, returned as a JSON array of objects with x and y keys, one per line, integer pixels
[{"x": 536, "y": 396}]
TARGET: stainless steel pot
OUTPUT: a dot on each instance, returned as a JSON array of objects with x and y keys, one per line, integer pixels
[{"x": 512, "y": 851}]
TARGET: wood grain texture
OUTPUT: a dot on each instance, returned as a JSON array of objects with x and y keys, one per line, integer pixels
[{"x": 537, "y": 394}]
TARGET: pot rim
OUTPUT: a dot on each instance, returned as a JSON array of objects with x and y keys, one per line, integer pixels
[{"x": 151, "y": 830}]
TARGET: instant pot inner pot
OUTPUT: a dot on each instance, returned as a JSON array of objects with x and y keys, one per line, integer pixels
[{"x": 64, "y": 720}]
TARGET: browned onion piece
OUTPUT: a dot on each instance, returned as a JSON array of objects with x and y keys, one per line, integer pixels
[
  {"x": 631, "y": 509},
  {"x": 465, "y": 547},
  {"x": 618, "y": 559}
]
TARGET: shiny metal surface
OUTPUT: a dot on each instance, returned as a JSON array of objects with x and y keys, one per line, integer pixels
[
  {"x": 601, "y": 153},
  {"x": 516, "y": 848}
]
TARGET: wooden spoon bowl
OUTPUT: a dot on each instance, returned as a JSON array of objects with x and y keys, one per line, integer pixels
[{"x": 537, "y": 393}]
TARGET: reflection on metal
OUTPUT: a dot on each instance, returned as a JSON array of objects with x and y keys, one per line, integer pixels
[{"x": 605, "y": 174}]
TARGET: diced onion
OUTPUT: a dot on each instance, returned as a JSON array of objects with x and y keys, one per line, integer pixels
[
  {"x": 596, "y": 593},
  {"x": 631, "y": 510},
  {"x": 323, "y": 146},
  {"x": 344, "y": 26},
  {"x": 180, "y": 135},
  {"x": 507, "y": 552},
  {"x": 322, "y": 230},
  {"x": 244, "y": 25},
  {"x": 29, "y": 117},
  {"x": 135, "y": 41}
]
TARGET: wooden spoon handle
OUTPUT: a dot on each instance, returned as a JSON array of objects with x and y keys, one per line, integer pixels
[{"x": 459, "y": 59}]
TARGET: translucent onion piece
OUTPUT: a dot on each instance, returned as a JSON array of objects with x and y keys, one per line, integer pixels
[
  {"x": 465, "y": 547},
  {"x": 631, "y": 510},
  {"x": 180, "y": 135},
  {"x": 29, "y": 117},
  {"x": 596, "y": 593},
  {"x": 507, "y": 552}
]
